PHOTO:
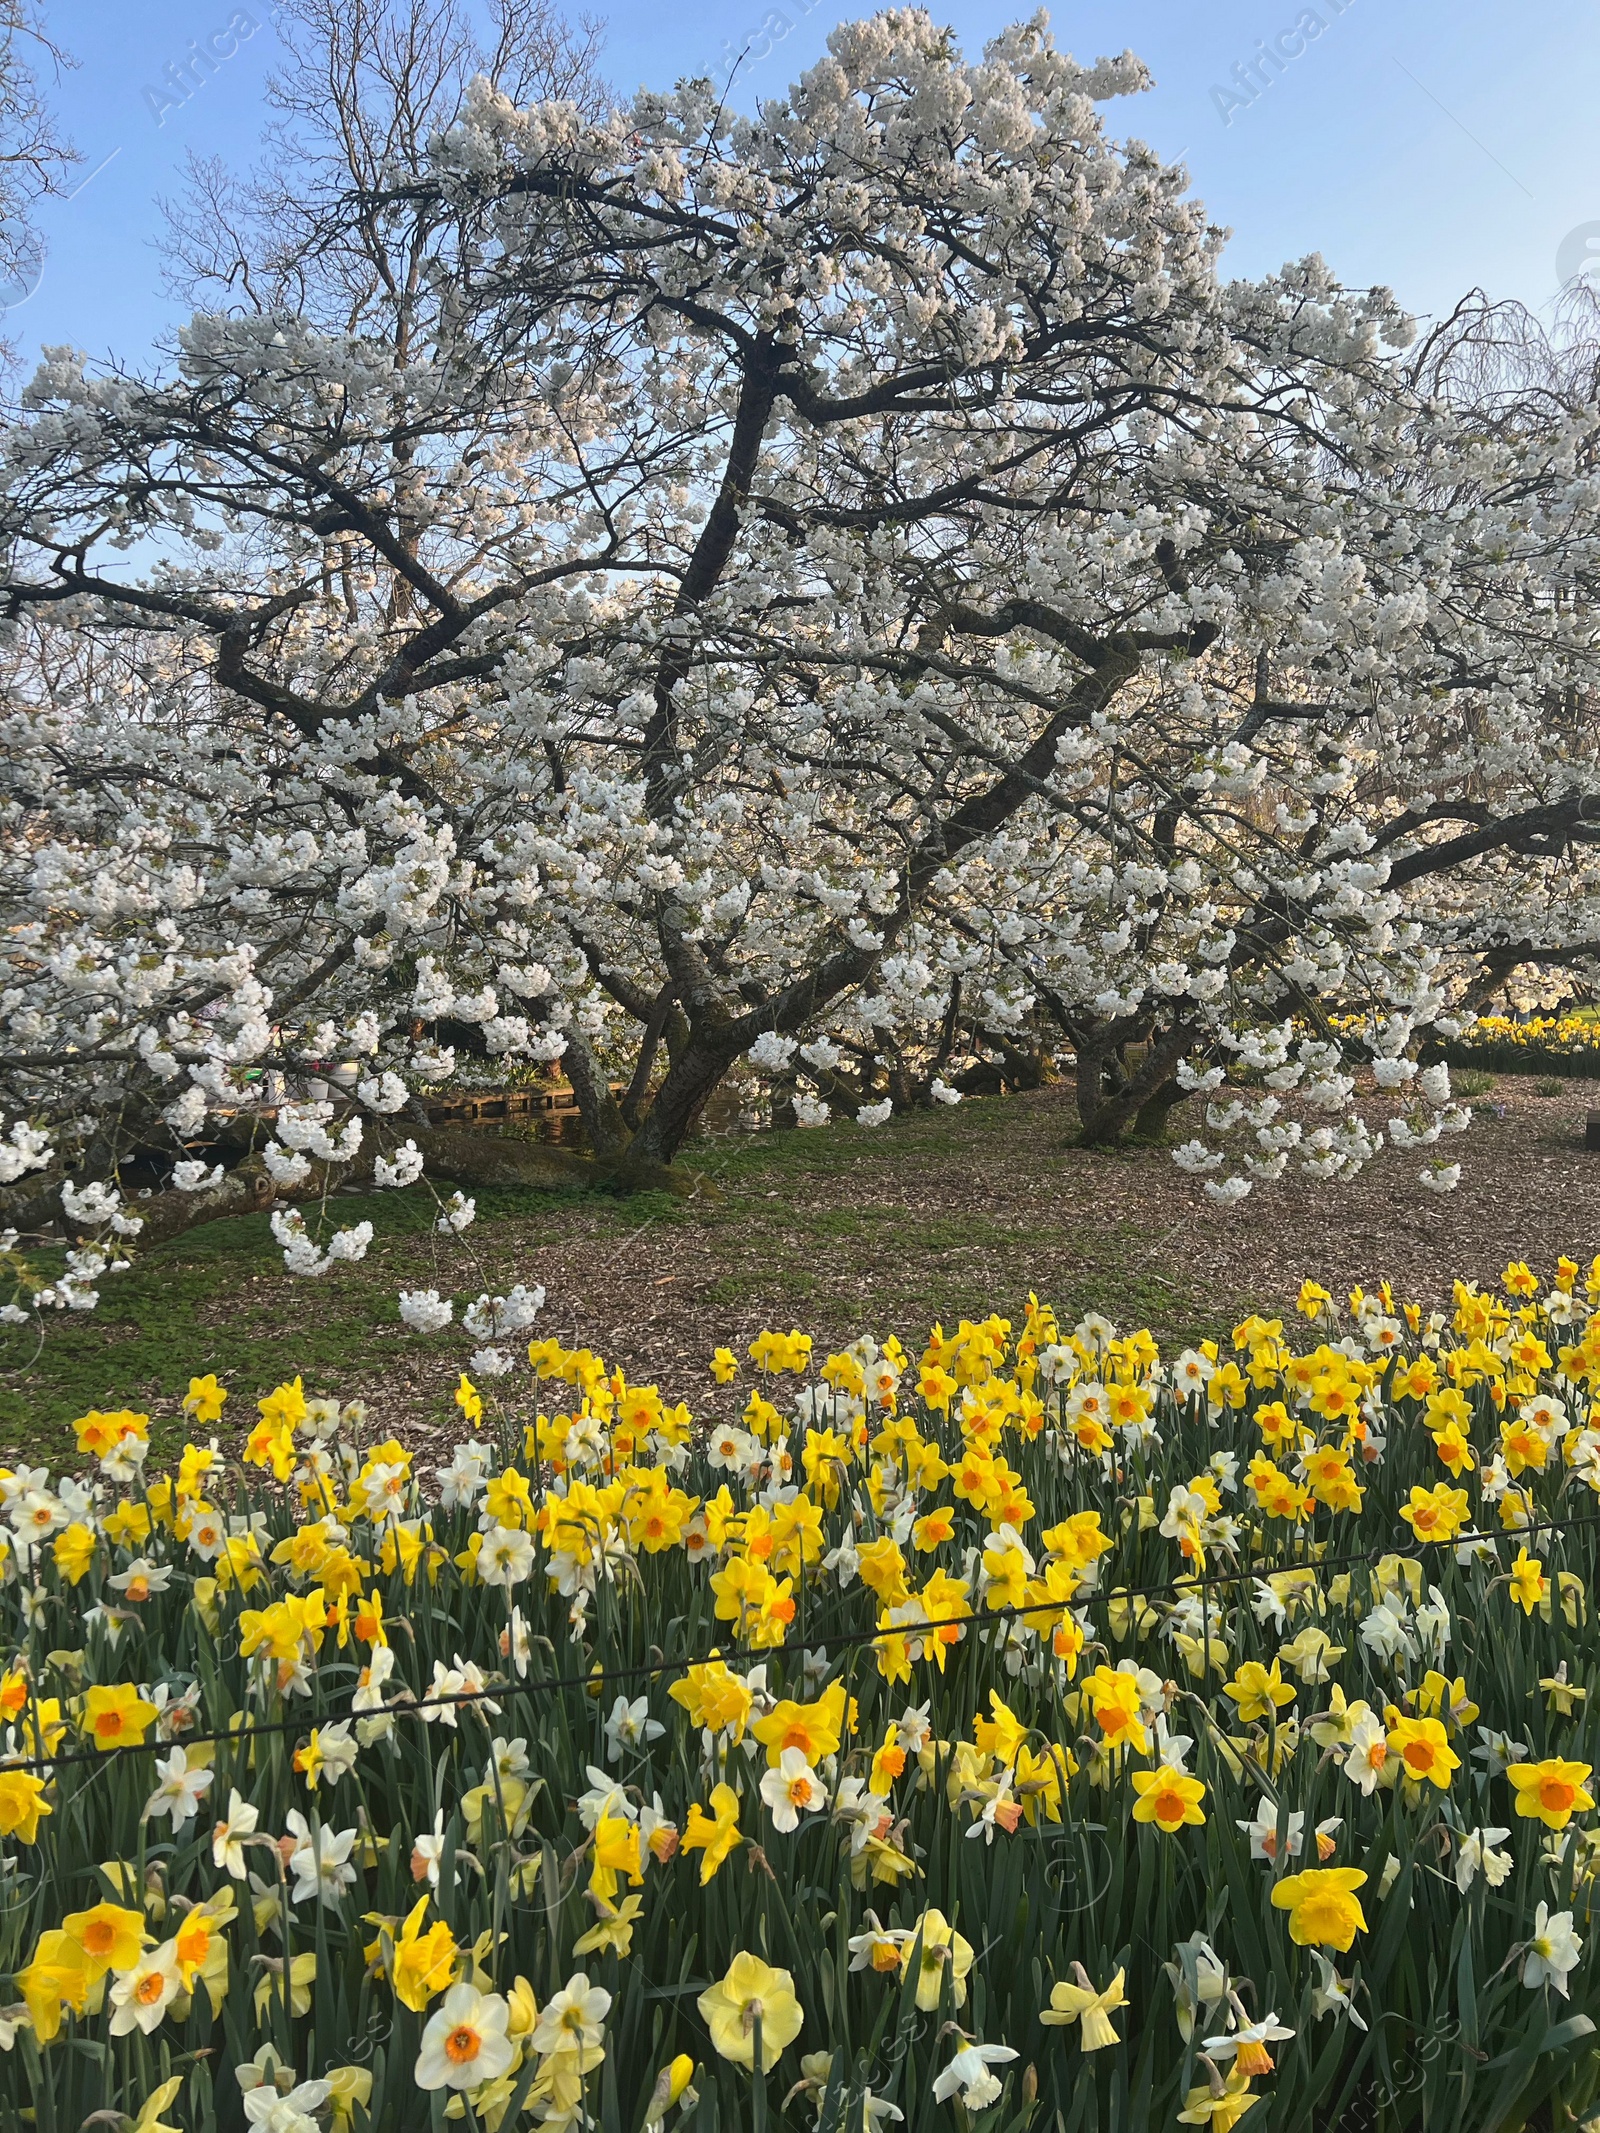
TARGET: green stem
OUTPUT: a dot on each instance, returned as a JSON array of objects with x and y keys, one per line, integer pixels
[{"x": 759, "y": 2107}]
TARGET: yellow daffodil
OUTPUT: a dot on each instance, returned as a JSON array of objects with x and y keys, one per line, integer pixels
[
  {"x": 714, "y": 1835},
  {"x": 1437, "y": 1514},
  {"x": 58, "y": 1975},
  {"x": 149, "y": 2119},
  {"x": 1259, "y": 1691},
  {"x": 613, "y": 1929},
  {"x": 22, "y": 1802},
  {"x": 423, "y": 1961},
  {"x": 814, "y": 1728},
  {"x": 1561, "y": 1695},
  {"x": 1551, "y": 1791},
  {"x": 1424, "y": 1748},
  {"x": 943, "y": 1951},
  {"x": 116, "y": 1717},
  {"x": 1169, "y": 1798},
  {"x": 715, "y": 1698},
  {"x": 616, "y": 1852},
  {"x": 1219, "y": 2103},
  {"x": 1529, "y": 1585},
  {"x": 204, "y": 1400},
  {"x": 1081, "y": 2002},
  {"x": 671, "y": 2083},
  {"x": 110, "y": 1937},
  {"x": 1324, "y": 1911},
  {"x": 752, "y": 1997},
  {"x": 1114, "y": 1698},
  {"x": 348, "y": 2087},
  {"x": 269, "y": 1987}
]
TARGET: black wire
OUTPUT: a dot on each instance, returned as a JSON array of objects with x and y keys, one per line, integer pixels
[{"x": 654, "y": 1667}]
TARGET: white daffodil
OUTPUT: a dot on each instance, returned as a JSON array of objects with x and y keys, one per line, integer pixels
[
  {"x": 573, "y": 2019},
  {"x": 179, "y": 1792},
  {"x": 1248, "y": 2047},
  {"x": 1332, "y": 1992},
  {"x": 1210, "y": 1981},
  {"x": 1172, "y": 1749},
  {"x": 1552, "y": 1951},
  {"x": 227, "y": 1838},
  {"x": 793, "y": 1789},
  {"x": 320, "y": 1861},
  {"x": 913, "y": 1729},
  {"x": 1475, "y": 1855},
  {"x": 1367, "y": 1754},
  {"x": 330, "y": 1756},
  {"x": 141, "y": 1579},
  {"x": 510, "y": 1758},
  {"x": 427, "y": 1854},
  {"x": 630, "y": 1726},
  {"x": 1263, "y": 1832},
  {"x": 141, "y": 1996},
  {"x": 465, "y": 2042},
  {"x": 880, "y": 1947},
  {"x": 506, "y": 1557},
  {"x": 605, "y": 1800},
  {"x": 296, "y": 2112},
  {"x": 969, "y": 2072}
]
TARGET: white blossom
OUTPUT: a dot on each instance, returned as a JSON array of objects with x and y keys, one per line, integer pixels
[
  {"x": 771, "y": 1053},
  {"x": 457, "y": 1214},
  {"x": 425, "y": 1311},
  {"x": 193, "y": 1176},
  {"x": 403, "y": 1168}
]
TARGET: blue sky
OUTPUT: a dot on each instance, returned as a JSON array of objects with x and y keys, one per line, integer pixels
[{"x": 1430, "y": 146}]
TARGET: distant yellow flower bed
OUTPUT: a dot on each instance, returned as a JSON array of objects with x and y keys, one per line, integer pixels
[
  {"x": 1024, "y": 1730},
  {"x": 1556, "y": 1043},
  {"x": 1565, "y": 1036}
]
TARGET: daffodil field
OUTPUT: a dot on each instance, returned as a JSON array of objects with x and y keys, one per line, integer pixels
[
  {"x": 1024, "y": 1730},
  {"x": 1569, "y": 1043}
]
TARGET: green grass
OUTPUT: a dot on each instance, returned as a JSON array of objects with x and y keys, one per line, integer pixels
[
  {"x": 835, "y": 1230},
  {"x": 223, "y": 1289}
]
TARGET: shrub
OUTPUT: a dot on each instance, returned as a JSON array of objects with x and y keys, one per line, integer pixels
[{"x": 1469, "y": 1082}]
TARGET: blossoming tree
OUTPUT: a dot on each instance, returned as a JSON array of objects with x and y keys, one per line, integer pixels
[{"x": 847, "y": 591}]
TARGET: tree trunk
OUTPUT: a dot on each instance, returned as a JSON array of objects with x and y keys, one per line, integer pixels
[
  {"x": 601, "y": 1113},
  {"x": 1032, "y": 1069},
  {"x": 1144, "y": 1097},
  {"x": 1097, "y": 1114},
  {"x": 690, "y": 1081},
  {"x": 1150, "y": 1120},
  {"x": 785, "y": 1096},
  {"x": 632, "y": 1104},
  {"x": 245, "y": 1190}
]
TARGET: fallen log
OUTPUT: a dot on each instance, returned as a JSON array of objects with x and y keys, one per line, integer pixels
[
  {"x": 469, "y": 1157},
  {"x": 245, "y": 1190},
  {"x": 457, "y": 1155}
]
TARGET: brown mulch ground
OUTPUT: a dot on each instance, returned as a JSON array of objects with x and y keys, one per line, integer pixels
[
  {"x": 940, "y": 1216},
  {"x": 898, "y": 1233}
]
